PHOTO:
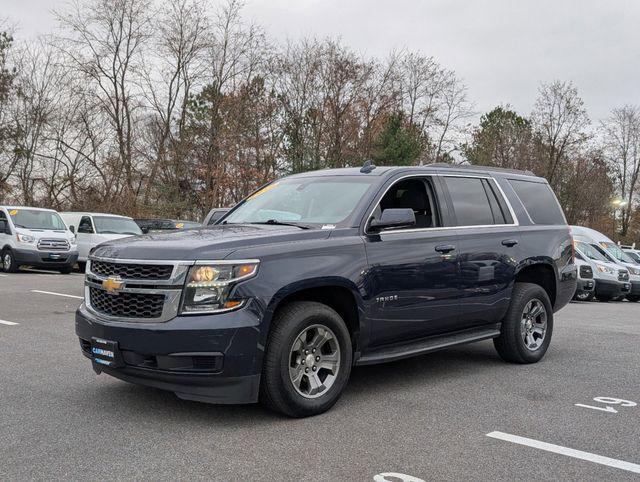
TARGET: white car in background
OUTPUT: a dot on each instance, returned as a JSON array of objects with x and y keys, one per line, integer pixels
[
  {"x": 632, "y": 252},
  {"x": 615, "y": 254},
  {"x": 91, "y": 229},
  {"x": 35, "y": 237}
]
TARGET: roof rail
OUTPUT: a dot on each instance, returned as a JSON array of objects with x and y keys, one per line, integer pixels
[{"x": 480, "y": 168}]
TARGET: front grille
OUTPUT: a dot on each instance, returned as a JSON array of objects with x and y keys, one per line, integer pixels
[
  {"x": 53, "y": 245},
  {"x": 586, "y": 272},
  {"x": 132, "y": 271},
  {"x": 623, "y": 275},
  {"x": 126, "y": 305}
]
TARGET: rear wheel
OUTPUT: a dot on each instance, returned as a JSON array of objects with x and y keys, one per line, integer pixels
[
  {"x": 9, "y": 264},
  {"x": 307, "y": 361},
  {"x": 526, "y": 329}
]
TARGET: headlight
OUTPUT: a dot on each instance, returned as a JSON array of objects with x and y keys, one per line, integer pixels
[
  {"x": 634, "y": 271},
  {"x": 605, "y": 269},
  {"x": 73, "y": 241},
  {"x": 25, "y": 238},
  {"x": 208, "y": 286}
]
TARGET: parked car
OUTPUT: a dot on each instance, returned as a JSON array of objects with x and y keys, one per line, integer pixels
[
  {"x": 612, "y": 251},
  {"x": 91, "y": 229},
  {"x": 611, "y": 279},
  {"x": 632, "y": 252},
  {"x": 585, "y": 290},
  {"x": 215, "y": 215},
  {"x": 35, "y": 237},
  {"x": 318, "y": 272},
  {"x": 158, "y": 225}
]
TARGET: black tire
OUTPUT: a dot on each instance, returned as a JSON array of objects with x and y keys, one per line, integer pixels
[
  {"x": 66, "y": 270},
  {"x": 510, "y": 345},
  {"x": 585, "y": 296},
  {"x": 633, "y": 298},
  {"x": 277, "y": 391},
  {"x": 8, "y": 257},
  {"x": 604, "y": 298},
  {"x": 82, "y": 266}
]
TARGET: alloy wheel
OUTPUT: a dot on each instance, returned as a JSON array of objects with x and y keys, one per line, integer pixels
[
  {"x": 6, "y": 262},
  {"x": 314, "y": 361},
  {"x": 534, "y": 324}
]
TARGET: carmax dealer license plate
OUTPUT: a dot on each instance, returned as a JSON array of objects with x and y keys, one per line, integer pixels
[{"x": 105, "y": 352}]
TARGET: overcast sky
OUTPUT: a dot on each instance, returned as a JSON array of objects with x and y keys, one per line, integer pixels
[{"x": 502, "y": 48}]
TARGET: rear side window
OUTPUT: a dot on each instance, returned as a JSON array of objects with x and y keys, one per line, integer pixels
[
  {"x": 539, "y": 201},
  {"x": 475, "y": 202}
]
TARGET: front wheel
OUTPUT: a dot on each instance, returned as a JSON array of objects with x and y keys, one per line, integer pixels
[
  {"x": 633, "y": 298},
  {"x": 604, "y": 298},
  {"x": 66, "y": 270},
  {"x": 307, "y": 361},
  {"x": 9, "y": 264},
  {"x": 526, "y": 329}
]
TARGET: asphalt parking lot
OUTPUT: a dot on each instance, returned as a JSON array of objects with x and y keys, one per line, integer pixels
[{"x": 427, "y": 417}]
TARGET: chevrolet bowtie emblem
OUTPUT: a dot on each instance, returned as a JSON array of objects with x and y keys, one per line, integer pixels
[{"x": 111, "y": 285}]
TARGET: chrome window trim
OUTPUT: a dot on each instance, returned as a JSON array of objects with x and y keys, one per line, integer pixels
[{"x": 515, "y": 222}]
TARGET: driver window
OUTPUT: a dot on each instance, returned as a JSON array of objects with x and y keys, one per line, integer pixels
[
  {"x": 85, "y": 225},
  {"x": 416, "y": 194}
]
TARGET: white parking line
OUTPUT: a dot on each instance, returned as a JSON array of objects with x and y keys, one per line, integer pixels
[
  {"x": 10, "y": 323},
  {"x": 558, "y": 449},
  {"x": 3, "y": 275},
  {"x": 57, "y": 294}
]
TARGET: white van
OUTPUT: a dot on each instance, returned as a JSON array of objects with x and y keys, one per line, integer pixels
[
  {"x": 615, "y": 254},
  {"x": 611, "y": 279},
  {"x": 35, "y": 237},
  {"x": 91, "y": 229}
]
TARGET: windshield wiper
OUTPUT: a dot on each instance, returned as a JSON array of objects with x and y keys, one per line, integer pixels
[{"x": 275, "y": 222}]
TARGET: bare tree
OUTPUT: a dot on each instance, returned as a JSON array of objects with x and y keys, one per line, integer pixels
[
  {"x": 561, "y": 120},
  {"x": 621, "y": 132},
  {"x": 104, "y": 41}
]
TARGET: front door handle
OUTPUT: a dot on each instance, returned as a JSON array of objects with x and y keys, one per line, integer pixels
[
  {"x": 445, "y": 248},
  {"x": 509, "y": 242}
]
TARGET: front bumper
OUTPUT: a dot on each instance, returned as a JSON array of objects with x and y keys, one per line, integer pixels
[
  {"x": 635, "y": 288},
  {"x": 585, "y": 285},
  {"x": 45, "y": 259},
  {"x": 228, "y": 342},
  {"x": 612, "y": 288}
]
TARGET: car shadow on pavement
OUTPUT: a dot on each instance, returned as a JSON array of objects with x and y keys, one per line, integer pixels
[{"x": 118, "y": 398}]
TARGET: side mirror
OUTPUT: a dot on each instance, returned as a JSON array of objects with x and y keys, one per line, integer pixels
[
  {"x": 72, "y": 229},
  {"x": 393, "y": 218},
  {"x": 144, "y": 230}
]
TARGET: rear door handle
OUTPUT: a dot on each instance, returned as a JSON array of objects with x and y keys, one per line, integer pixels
[
  {"x": 509, "y": 242},
  {"x": 445, "y": 248}
]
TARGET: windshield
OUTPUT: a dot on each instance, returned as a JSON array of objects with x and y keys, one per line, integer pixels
[
  {"x": 36, "y": 219},
  {"x": 635, "y": 256},
  {"x": 113, "y": 225},
  {"x": 590, "y": 252},
  {"x": 617, "y": 252},
  {"x": 309, "y": 200}
]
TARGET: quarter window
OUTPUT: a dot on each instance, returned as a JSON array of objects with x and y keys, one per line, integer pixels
[
  {"x": 539, "y": 201},
  {"x": 475, "y": 202}
]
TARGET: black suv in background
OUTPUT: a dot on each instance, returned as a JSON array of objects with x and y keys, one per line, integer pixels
[{"x": 318, "y": 272}]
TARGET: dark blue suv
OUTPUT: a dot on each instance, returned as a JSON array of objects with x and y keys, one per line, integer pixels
[{"x": 318, "y": 272}]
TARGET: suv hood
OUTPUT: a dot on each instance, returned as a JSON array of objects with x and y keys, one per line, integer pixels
[{"x": 214, "y": 242}]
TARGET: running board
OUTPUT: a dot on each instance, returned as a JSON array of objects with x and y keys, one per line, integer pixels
[{"x": 427, "y": 345}]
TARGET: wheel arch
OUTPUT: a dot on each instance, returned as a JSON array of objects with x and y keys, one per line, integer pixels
[
  {"x": 338, "y": 293},
  {"x": 542, "y": 273}
]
